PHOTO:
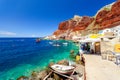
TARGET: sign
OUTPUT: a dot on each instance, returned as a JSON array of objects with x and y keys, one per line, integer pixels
[{"x": 117, "y": 47}]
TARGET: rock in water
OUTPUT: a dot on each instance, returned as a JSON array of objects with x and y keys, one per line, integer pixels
[
  {"x": 23, "y": 78},
  {"x": 50, "y": 64}
]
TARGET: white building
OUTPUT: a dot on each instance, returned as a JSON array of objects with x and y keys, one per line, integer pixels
[{"x": 115, "y": 30}]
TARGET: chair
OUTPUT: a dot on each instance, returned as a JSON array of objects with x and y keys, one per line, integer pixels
[
  {"x": 111, "y": 55},
  {"x": 108, "y": 55},
  {"x": 117, "y": 59}
]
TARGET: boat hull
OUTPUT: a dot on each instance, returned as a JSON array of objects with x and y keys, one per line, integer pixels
[{"x": 63, "y": 69}]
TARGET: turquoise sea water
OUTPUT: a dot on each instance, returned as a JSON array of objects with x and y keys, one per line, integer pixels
[{"x": 21, "y": 56}]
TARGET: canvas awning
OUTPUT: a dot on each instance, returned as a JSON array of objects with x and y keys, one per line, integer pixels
[{"x": 90, "y": 40}]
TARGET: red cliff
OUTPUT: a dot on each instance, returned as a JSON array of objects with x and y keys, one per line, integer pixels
[
  {"x": 83, "y": 24},
  {"x": 75, "y": 24},
  {"x": 108, "y": 16}
]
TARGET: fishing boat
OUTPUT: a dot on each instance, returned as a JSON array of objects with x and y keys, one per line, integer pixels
[
  {"x": 63, "y": 69},
  {"x": 37, "y": 40},
  {"x": 65, "y": 43},
  {"x": 50, "y": 42},
  {"x": 56, "y": 45}
]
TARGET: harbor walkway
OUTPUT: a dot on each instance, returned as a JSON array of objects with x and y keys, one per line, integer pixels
[{"x": 98, "y": 69}]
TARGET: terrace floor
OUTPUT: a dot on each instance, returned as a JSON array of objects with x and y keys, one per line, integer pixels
[{"x": 98, "y": 69}]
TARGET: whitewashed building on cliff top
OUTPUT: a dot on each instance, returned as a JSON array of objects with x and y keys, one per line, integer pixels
[{"x": 115, "y": 30}]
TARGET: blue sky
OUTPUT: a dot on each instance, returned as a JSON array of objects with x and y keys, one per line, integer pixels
[{"x": 36, "y": 18}]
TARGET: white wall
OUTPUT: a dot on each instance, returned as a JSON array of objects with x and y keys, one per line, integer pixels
[{"x": 115, "y": 29}]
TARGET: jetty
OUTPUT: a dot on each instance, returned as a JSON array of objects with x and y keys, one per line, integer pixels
[{"x": 98, "y": 69}]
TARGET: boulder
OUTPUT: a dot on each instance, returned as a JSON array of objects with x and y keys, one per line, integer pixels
[
  {"x": 50, "y": 79},
  {"x": 63, "y": 62},
  {"x": 42, "y": 75},
  {"x": 23, "y": 78},
  {"x": 50, "y": 64},
  {"x": 34, "y": 76},
  {"x": 56, "y": 77}
]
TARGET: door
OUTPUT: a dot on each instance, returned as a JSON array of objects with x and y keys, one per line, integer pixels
[{"x": 97, "y": 47}]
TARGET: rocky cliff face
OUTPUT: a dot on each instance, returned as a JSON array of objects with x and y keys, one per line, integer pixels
[
  {"x": 72, "y": 25},
  {"x": 106, "y": 17},
  {"x": 83, "y": 24}
]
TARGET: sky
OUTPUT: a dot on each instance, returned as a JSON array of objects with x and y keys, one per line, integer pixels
[{"x": 39, "y": 18}]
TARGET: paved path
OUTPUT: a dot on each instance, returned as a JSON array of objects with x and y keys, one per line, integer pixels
[{"x": 98, "y": 69}]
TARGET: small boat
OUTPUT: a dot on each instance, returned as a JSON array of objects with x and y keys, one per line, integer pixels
[
  {"x": 37, "y": 40},
  {"x": 63, "y": 69},
  {"x": 65, "y": 44},
  {"x": 56, "y": 45},
  {"x": 50, "y": 42}
]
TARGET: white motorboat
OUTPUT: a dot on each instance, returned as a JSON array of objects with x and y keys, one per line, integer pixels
[
  {"x": 65, "y": 43},
  {"x": 63, "y": 69},
  {"x": 56, "y": 45}
]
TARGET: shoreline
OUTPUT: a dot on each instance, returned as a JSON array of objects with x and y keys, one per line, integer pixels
[
  {"x": 27, "y": 69},
  {"x": 53, "y": 61},
  {"x": 45, "y": 72}
]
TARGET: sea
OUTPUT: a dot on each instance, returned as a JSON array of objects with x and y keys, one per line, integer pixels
[{"x": 22, "y": 56}]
